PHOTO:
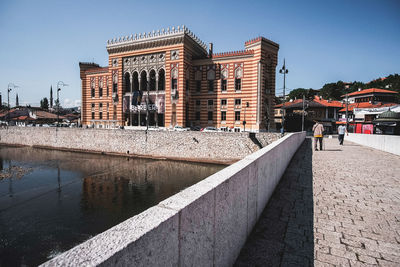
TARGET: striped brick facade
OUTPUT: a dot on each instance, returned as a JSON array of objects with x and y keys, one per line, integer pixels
[{"x": 193, "y": 71}]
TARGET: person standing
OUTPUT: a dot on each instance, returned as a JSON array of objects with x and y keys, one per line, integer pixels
[
  {"x": 341, "y": 131},
  {"x": 318, "y": 129}
]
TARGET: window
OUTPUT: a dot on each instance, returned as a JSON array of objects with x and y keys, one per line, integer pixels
[
  {"x": 223, "y": 102},
  {"x": 210, "y": 102},
  {"x": 101, "y": 87},
  {"x": 238, "y": 84},
  {"x": 223, "y": 85},
  {"x": 100, "y": 115},
  {"x": 92, "y": 115},
  {"x": 223, "y": 115},
  {"x": 187, "y": 85},
  {"x": 198, "y": 86},
  {"x": 93, "y": 92},
  {"x": 237, "y": 115},
  {"x": 108, "y": 91},
  {"x": 211, "y": 85},
  {"x": 108, "y": 115},
  {"x": 100, "y": 107},
  {"x": 197, "y": 115},
  {"x": 238, "y": 102},
  {"x": 161, "y": 80},
  {"x": 115, "y": 87},
  {"x": 198, "y": 102},
  {"x": 210, "y": 115},
  {"x": 174, "y": 84}
]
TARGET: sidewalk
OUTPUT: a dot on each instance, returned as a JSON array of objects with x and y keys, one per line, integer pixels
[{"x": 340, "y": 206}]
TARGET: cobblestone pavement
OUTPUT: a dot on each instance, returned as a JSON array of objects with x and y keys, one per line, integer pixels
[{"x": 337, "y": 207}]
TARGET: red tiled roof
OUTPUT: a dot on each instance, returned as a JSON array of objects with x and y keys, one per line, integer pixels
[
  {"x": 233, "y": 53},
  {"x": 371, "y": 90},
  {"x": 317, "y": 99},
  {"x": 23, "y": 118},
  {"x": 366, "y": 105},
  {"x": 97, "y": 70},
  {"x": 289, "y": 103},
  {"x": 328, "y": 103}
]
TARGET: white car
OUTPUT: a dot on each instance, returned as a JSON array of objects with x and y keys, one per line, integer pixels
[
  {"x": 180, "y": 129},
  {"x": 209, "y": 129}
]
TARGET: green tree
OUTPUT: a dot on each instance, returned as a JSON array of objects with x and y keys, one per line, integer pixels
[
  {"x": 299, "y": 92},
  {"x": 44, "y": 103},
  {"x": 333, "y": 91}
]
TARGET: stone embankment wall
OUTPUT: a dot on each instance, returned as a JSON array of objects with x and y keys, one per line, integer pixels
[
  {"x": 191, "y": 145},
  {"x": 387, "y": 143},
  {"x": 204, "y": 225}
]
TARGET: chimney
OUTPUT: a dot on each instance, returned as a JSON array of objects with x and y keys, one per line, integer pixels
[{"x": 210, "y": 49}]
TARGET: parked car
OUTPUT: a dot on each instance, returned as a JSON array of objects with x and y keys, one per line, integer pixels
[
  {"x": 195, "y": 128},
  {"x": 209, "y": 129},
  {"x": 180, "y": 129}
]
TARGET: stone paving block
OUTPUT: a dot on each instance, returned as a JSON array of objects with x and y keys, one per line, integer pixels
[{"x": 355, "y": 206}]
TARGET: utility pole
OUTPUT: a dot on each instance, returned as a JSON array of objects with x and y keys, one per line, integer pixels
[
  {"x": 9, "y": 89},
  {"x": 302, "y": 115},
  {"x": 59, "y": 84},
  {"x": 283, "y": 71},
  {"x": 347, "y": 111}
]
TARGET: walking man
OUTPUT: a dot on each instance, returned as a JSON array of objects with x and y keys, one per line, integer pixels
[
  {"x": 318, "y": 129},
  {"x": 341, "y": 131}
]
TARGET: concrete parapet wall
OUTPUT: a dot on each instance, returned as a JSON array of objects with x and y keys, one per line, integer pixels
[
  {"x": 387, "y": 143},
  {"x": 204, "y": 225},
  {"x": 198, "y": 146}
]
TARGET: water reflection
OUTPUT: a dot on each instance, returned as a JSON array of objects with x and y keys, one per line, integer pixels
[{"x": 64, "y": 198}]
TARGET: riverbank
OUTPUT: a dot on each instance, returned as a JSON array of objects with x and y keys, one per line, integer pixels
[{"x": 218, "y": 147}]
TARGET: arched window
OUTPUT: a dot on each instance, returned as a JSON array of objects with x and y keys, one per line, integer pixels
[
  {"x": 161, "y": 80},
  {"x": 93, "y": 86},
  {"x": 143, "y": 81},
  {"x": 152, "y": 80},
  {"x": 135, "y": 81},
  {"x": 115, "y": 82},
  {"x": 101, "y": 87},
  {"x": 211, "y": 78},
  {"x": 238, "y": 79},
  {"x": 127, "y": 85},
  {"x": 224, "y": 77}
]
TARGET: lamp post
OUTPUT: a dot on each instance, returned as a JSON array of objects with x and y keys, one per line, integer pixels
[
  {"x": 59, "y": 84},
  {"x": 9, "y": 89},
  {"x": 283, "y": 71},
  {"x": 244, "y": 121}
]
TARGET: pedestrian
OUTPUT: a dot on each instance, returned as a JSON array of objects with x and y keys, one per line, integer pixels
[
  {"x": 318, "y": 129},
  {"x": 341, "y": 131},
  {"x": 282, "y": 131}
]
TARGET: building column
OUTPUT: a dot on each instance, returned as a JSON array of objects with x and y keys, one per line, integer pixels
[
  {"x": 130, "y": 99},
  {"x": 140, "y": 90},
  {"x": 156, "y": 113}
]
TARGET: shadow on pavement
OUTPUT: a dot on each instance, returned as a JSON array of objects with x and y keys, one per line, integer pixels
[{"x": 284, "y": 233}]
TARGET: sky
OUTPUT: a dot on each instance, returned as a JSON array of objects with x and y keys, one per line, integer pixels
[{"x": 42, "y": 42}]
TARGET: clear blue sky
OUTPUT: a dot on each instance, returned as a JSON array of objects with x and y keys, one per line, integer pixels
[{"x": 322, "y": 41}]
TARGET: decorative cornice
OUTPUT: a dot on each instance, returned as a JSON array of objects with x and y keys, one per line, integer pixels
[
  {"x": 259, "y": 39},
  {"x": 233, "y": 53},
  {"x": 152, "y": 39},
  {"x": 97, "y": 70}
]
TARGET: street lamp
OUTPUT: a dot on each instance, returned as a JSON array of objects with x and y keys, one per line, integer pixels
[
  {"x": 9, "y": 88},
  {"x": 244, "y": 121},
  {"x": 59, "y": 84},
  {"x": 283, "y": 71}
]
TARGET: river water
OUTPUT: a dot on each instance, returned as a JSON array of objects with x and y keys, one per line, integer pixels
[{"x": 53, "y": 200}]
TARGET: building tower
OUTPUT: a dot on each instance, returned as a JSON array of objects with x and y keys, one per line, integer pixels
[{"x": 51, "y": 96}]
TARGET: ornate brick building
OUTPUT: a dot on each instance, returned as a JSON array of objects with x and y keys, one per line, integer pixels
[{"x": 169, "y": 78}]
